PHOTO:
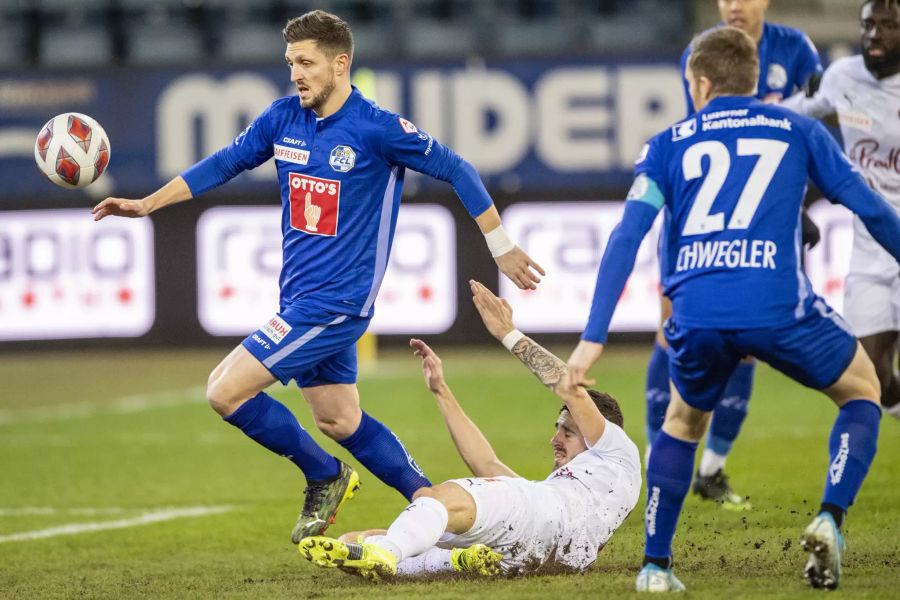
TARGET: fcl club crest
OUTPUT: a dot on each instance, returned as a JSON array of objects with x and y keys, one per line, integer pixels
[{"x": 342, "y": 159}]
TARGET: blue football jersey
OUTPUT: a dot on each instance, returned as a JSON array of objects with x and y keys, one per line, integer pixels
[
  {"x": 732, "y": 178},
  {"x": 787, "y": 59},
  {"x": 341, "y": 178}
]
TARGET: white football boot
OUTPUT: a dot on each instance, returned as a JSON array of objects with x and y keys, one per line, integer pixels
[
  {"x": 654, "y": 578},
  {"x": 825, "y": 544}
]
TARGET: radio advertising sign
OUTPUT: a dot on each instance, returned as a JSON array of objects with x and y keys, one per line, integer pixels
[
  {"x": 239, "y": 259},
  {"x": 568, "y": 240},
  {"x": 64, "y": 276}
]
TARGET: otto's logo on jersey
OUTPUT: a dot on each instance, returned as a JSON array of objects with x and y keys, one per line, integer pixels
[
  {"x": 342, "y": 158},
  {"x": 407, "y": 126},
  {"x": 276, "y": 329},
  {"x": 314, "y": 204},
  {"x": 293, "y": 155},
  {"x": 684, "y": 130}
]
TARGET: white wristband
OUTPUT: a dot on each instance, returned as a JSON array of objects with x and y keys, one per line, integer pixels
[
  {"x": 511, "y": 339},
  {"x": 498, "y": 242}
]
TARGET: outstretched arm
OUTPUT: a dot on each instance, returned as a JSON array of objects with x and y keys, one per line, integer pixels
[
  {"x": 497, "y": 316},
  {"x": 641, "y": 207},
  {"x": 546, "y": 366},
  {"x": 471, "y": 444},
  {"x": 175, "y": 191},
  {"x": 248, "y": 150}
]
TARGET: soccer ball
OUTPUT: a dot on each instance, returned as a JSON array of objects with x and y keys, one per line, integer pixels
[{"x": 72, "y": 150}]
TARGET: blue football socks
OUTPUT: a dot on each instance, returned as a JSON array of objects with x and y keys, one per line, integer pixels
[
  {"x": 657, "y": 391},
  {"x": 381, "y": 452},
  {"x": 668, "y": 480},
  {"x": 730, "y": 412},
  {"x": 852, "y": 445},
  {"x": 272, "y": 425}
]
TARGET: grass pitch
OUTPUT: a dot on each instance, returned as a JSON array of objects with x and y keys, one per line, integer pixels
[{"x": 110, "y": 461}]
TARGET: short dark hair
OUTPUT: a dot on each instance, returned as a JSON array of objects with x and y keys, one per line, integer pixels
[
  {"x": 893, "y": 5},
  {"x": 607, "y": 405},
  {"x": 727, "y": 57},
  {"x": 330, "y": 33}
]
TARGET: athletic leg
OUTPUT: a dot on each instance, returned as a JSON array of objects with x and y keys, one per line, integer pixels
[
  {"x": 235, "y": 392},
  {"x": 338, "y": 415},
  {"x": 700, "y": 364},
  {"x": 446, "y": 508},
  {"x": 657, "y": 383},
  {"x": 711, "y": 482},
  {"x": 820, "y": 352},
  {"x": 852, "y": 446},
  {"x": 882, "y": 349}
]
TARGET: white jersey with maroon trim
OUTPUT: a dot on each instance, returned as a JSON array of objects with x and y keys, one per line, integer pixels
[{"x": 868, "y": 110}]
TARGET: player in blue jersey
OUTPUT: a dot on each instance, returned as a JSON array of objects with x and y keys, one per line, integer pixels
[
  {"x": 732, "y": 179},
  {"x": 788, "y": 62},
  {"x": 340, "y": 161}
]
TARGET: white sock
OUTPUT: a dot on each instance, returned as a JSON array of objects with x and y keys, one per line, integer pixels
[
  {"x": 894, "y": 411},
  {"x": 418, "y": 528},
  {"x": 435, "y": 560},
  {"x": 711, "y": 463}
]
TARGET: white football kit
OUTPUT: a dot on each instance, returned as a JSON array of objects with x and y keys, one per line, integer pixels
[
  {"x": 565, "y": 519},
  {"x": 868, "y": 110}
]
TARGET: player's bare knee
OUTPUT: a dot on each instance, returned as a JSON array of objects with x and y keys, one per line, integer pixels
[
  {"x": 337, "y": 427},
  {"x": 460, "y": 505},
  {"x": 218, "y": 396},
  {"x": 689, "y": 427},
  {"x": 423, "y": 492}
]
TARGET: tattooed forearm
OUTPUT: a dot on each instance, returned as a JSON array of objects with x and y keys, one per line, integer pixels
[{"x": 540, "y": 361}]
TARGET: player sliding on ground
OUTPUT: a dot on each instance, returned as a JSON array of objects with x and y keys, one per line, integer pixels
[
  {"x": 340, "y": 161},
  {"x": 497, "y": 518},
  {"x": 732, "y": 180}
]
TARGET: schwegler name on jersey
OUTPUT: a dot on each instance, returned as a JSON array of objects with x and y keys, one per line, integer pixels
[
  {"x": 341, "y": 179},
  {"x": 732, "y": 179}
]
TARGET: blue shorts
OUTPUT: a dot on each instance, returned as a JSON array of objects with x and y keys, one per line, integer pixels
[
  {"x": 814, "y": 351},
  {"x": 310, "y": 345}
]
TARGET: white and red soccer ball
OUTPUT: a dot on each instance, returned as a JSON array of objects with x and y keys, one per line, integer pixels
[{"x": 72, "y": 150}]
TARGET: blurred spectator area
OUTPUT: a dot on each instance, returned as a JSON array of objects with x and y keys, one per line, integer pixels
[
  {"x": 827, "y": 22},
  {"x": 100, "y": 33}
]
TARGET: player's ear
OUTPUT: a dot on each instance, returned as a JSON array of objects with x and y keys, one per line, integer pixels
[
  {"x": 341, "y": 64},
  {"x": 705, "y": 86}
]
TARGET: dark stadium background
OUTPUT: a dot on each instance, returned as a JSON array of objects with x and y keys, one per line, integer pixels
[{"x": 124, "y": 49}]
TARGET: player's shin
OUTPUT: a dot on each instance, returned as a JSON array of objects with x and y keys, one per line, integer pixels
[
  {"x": 435, "y": 560},
  {"x": 382, "y": 453},
  {"x": 668, "y": 480},
  {"x": 416, "y": 529},
  {"x": 657, "y": 393},
  {"x": 272, "y": 425},
  {"x": 852, "y": 446}
]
